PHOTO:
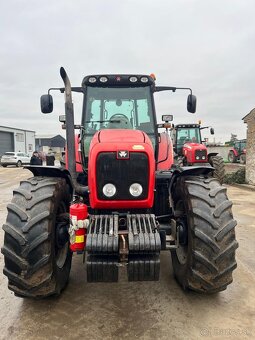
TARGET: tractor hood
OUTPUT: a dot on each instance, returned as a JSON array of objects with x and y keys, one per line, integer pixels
[
  {"x": 121, "y": 157},
  {"x": 121, "y": 136},
  {"x": 195, "y": 146},
  {"x": 195, "y": 153}
]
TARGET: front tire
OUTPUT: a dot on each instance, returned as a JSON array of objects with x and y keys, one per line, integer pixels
[
  {"x": 231, "y": 157},
  {"x": 19, "y": 164},
  {"x": 36, "y": 264},
  {"x": 217, "y": 162},
  {"x": 205, "y": 262}
]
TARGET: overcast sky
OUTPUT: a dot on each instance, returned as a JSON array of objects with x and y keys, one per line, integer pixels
[{"x": 207, "y": 45}]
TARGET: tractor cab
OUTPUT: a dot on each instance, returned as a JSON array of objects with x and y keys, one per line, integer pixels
[
  {"x": 122, "y": 102},
  {"x": 185, "y": 134}
]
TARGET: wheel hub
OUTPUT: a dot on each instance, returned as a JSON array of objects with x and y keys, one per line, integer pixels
[
  {"x": 62, "y": 235},
  {"x": 183, "y": 233}
]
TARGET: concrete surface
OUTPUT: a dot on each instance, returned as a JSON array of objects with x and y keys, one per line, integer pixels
[
  {"x": 221, "y": 150},
  {"x": 147, "y": 310},
  {"x": 233, "y": 167}
]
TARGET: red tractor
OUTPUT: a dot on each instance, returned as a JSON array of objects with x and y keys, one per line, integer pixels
[
  {"x": 190, "y": 150},
  {"x": 125, "y": 205},
  {"x": 238, "y": 152}
]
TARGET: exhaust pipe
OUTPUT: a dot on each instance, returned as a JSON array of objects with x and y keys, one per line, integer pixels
[{"x": 80, "y": 189}]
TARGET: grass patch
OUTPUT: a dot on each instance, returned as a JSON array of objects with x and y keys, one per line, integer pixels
[{"x": 235, "y": 177}]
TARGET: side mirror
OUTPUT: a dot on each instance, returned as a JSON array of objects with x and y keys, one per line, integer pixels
[
  {"x": 212, "y": 131},
  {"x": 167, "y": 118},
  {"x": 191, "y": 103},
  {"x": 46, "y": 103}
]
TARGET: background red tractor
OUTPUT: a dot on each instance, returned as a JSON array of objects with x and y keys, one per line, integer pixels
[
  {"x": 190, "y": 150},
  {"x": 124, "y": 206},
  {"x": 238, "y": 152}
]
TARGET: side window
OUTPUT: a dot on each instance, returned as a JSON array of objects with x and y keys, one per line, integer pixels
[
  {"x": 94, "y": 115},
  {"x": 182, "y": 136},
  {"x": 143, "y": 118}
]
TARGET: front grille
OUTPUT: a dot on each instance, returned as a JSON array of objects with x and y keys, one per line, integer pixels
[
  {"x": 122, "y": 173},
  {"x": 200, "y": 154}
]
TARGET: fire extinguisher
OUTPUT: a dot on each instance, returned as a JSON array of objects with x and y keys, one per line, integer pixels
[{"x": 79, "y": 224}]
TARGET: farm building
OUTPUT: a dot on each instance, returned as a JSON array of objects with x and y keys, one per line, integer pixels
[
  {"x": 249, "y": 119},
  {"x": 16, "y": 140},
  {"x": 54, "y": 142}
]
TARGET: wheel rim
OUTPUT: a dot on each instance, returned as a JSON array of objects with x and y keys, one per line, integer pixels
[
  {"x": 182, "y": 250},
  {"x": 61, "y": 252},
  {"x": 19, "y": 164}
]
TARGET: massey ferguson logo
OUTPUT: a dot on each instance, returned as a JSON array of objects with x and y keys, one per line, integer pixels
[{"x": 122, "y": 154}]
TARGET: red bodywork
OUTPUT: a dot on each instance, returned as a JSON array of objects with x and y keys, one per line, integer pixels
[
  {"x": 117, "y": 140},
  {"x": 236, "y": 152},
  {"x": 165, "y": 152},
  {"x": 189, "y": 150}
]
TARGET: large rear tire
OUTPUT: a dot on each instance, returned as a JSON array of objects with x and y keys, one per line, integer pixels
[
  {"x": 206, "y": 260},
  {"x": 218, "y": 163},
  {"x": 37, "y": 262}
]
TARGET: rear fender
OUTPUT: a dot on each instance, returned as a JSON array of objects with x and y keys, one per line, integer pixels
[
  {"x": 51, "y": 171},
  {"x": 171, "y": 175},
  {"x": 194, "y": 170},
  {"x": 234, "y": 151},
  {"x": 185, "y": 172}
]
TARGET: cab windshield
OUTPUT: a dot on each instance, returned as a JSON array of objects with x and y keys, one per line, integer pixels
[
  {"x": 118, "y": 108},
  {"x": 188, "y": 135}
]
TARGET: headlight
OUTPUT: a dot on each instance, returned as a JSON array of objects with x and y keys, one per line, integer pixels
[
  {"x": 144, "y": 80},
  {"x": 135, "y": 189},
  {"x": 133, "y": 79},
  {"x": 197, "y": 157},
  {"x": 203, "y": 157},
  {"x": 92, "y": 79},
  {"x": 103, "y": 79},
  {"x": 109, "y": 190}
]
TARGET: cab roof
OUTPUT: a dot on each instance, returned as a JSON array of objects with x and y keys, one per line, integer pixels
[
  {"x": 187, "y": 126},
  {"x": 118, "y": 80}
]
